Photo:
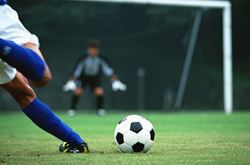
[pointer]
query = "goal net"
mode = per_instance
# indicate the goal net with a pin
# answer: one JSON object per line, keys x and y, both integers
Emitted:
{"x": 172, "y": 54}
{"x": 225, "y": 6}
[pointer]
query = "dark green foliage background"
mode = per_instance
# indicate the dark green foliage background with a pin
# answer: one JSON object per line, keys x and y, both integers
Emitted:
{"x": 133, "y": 36}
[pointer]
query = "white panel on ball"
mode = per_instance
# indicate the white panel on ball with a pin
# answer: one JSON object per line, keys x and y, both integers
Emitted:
{"x": 143, "y": 136}
{"x": 130, "y": 138}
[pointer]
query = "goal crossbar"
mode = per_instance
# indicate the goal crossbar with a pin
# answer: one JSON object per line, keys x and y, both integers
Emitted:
{"x": 227, "y": 35}
{"x": 193, "y": 3}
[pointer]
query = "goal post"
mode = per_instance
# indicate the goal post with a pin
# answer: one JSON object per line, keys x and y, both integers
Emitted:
{"x": 227, "y": 35}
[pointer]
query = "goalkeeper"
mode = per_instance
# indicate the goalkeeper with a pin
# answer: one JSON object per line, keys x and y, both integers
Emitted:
{"x": 88, "y": 72}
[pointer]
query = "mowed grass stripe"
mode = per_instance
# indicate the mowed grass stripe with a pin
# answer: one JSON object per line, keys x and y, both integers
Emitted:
{"x": 184, "y": 138}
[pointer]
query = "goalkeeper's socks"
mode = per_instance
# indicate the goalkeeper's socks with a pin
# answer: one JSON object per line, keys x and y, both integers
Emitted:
{"x": 74, "y": 101}
{"x": 25, "y": 60}
{"x": 99, "y": 102}
{"x": 43, "y": 117}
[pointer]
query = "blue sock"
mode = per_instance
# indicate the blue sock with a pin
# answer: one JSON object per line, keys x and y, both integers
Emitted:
{"x": 25, "y": 60}
{"x": 43, "y": 117}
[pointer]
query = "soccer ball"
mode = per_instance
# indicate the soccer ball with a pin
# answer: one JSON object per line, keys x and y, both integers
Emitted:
{"x": 134, "y": 134}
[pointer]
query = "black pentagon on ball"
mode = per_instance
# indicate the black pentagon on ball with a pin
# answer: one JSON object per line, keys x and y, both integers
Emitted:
{"x": 119, "y": 138}
{"x": 138, "y": 147}
{"x": 152, "y": 134}
{"x": 136, "y": 127}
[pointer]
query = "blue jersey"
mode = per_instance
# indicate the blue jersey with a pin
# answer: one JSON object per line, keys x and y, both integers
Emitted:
{"x": 2, "y": 2}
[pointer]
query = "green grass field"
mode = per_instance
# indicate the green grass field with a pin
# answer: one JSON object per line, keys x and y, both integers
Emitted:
{"x": 181, "y": 138}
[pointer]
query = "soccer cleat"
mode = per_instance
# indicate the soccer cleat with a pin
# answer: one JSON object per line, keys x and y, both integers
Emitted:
{"x": 71, "y": 112}
{"x": 80, "y": 148}
{"x": 101, "y": 112}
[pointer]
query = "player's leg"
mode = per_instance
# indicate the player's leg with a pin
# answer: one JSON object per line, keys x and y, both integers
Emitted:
{"x": 99, "y": 92}
{"x": 80, "y": 83}
{"x": 99, "y": 101}
{"x": 75, "y": 99}
{"x": 20, "y": 90}
{"x": 25, "y": 60}
{"x": 99, "y": 97}
{"x": 47, "y": 77}
{"x": 76, "y": 96}
{"x": 40, "y": 113}
{"x": 19, "y": 48}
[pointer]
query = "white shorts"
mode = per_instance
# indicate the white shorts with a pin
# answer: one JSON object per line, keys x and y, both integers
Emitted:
{"x": 13, "y": 30}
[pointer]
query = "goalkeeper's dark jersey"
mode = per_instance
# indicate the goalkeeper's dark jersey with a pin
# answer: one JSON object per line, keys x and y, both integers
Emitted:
{"x": 92, "y": 66}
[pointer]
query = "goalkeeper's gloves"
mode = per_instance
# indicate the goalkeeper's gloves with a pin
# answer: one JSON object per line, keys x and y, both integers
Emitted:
{"x": 69, "y": 86}
{"x": 118, "y": 85}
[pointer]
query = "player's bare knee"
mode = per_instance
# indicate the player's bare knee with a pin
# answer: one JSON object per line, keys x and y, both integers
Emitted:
{"x": 99, "y": 91}
{"x": 41, "y": 83}
{"x": 47, "y": 77}
{"x": 44, "y": 81}
{"x": 78, "y": 91}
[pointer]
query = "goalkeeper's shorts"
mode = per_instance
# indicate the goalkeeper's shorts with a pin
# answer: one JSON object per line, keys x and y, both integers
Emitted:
{"x": 12, "y": 29}
{"x": 94, "y": 81}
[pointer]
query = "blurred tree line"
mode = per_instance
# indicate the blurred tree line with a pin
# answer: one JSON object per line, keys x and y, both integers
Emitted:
{"x": 134, "y": 36}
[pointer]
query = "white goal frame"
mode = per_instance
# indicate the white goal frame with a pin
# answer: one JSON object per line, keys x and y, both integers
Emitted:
{"x": 227, "y": 35}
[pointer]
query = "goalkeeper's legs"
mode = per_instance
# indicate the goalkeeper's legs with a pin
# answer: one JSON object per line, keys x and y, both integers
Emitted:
{"x": 38, "y": 112}
{"x": 99, "y": 100}
{"x": 75, "y": 99}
